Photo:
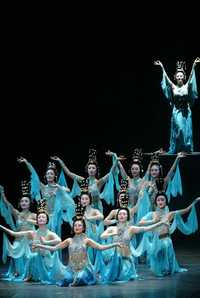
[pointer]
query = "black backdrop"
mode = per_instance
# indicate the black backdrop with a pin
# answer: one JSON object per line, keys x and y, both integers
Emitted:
{"x": 65, "y": 94}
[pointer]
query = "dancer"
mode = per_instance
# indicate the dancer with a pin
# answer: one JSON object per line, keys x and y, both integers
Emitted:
{"x": 161, "y": 253}
{"x": 60, "y": 205}
{"x": 181, "y": 96}
{"x": 39, "y": 262}
{"x": 95, "y": 185}
{"x": 24, "y": 220}
{"x": 121, "y": 266}
{"x": 79, "y": 271}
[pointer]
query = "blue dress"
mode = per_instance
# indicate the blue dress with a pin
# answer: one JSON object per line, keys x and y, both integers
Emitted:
{"x": 181, "y": 99}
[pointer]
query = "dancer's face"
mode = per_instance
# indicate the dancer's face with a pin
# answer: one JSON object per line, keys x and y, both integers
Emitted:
{"x": 161, "y": 201}
{"x": 92, "y": 170}
{"x": 85, "y": 200}
{"x": 155, "y": 171}
{"x": 179, "y": 77}
{"x": 25, "y": 203}
{"x": 50, "y": 176}
{"x": 78, "y": 227}
{"x": 122, "y": 216}
{"x": 135, "y": 170}
{"x": 42, "y": 219}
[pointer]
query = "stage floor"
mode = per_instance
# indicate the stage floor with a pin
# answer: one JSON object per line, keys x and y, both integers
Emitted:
{"x": 183, "y": 285}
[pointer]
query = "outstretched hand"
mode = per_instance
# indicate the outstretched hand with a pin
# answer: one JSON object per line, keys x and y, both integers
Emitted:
{"x": 55, "y": 158}
{"x": 109, "y": 153}
{"x": 197, "y": 200}
{"x": 21, "y": 159}
{"x": 158, "y": 62}
{"x": 181, "y": 154}
{"x": 197, "y": 60}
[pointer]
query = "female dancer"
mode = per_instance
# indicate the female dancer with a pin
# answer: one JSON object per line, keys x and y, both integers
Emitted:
{"x": 39, "y": 262}
{"x": 122, "y": 266}
{"x": 181, "y": 96}
{"x": 161, "y": 254}
{"x": 24, "y": 220}
{"x": 60, "y": 205}
{"x": 79, "y": 271}
{"x": 95, "y": 184}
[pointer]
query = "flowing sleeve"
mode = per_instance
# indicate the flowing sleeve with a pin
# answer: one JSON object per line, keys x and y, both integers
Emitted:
{"x": 6, "y": 214}
{"x": 15, "y": 250}
{"x": 188, "y": 227}
{"x": 116, "y": 174}
{"x": 35, "y": 185}
{"x": 174, "y": 186}
{"x": 144, "y": 206}
{"x": 76, "y": 191}
{"x": 61, "y": 180}
{"x": 108, "y": 192}
{"x": 64, "y": 209}
{"x": 166, "y": 89}
{"x": 192, "y": 88}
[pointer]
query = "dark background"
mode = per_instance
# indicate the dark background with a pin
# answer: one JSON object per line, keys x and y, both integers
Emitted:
{"x": 65, "y": 92}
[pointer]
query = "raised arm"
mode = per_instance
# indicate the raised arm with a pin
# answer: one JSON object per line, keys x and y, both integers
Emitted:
{"x": 183, "y": 211}
{"x": 14, "y": 211}
{"x": 54, "y": 239}
{"x": 171, "y": 172}
{"x": 111, "y": 218}
{"x": 98, "y": 246}
{"x": 61, "y": 245}
{"x": 30, "y": 168}
{"x": 97, "y": 215}
{"x": 110, "y": 231}
{"x": 159, "y": 63}
{"x": 66, "y": 170}
{"x": 145, "y": 222}
{"x": 136, "y": 230}
{"x": 28, "y": 234}
{"x": 197, "y": 60}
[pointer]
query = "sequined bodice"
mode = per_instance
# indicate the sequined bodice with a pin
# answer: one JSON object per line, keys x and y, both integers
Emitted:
{"x": 49, "y": 193}
{"x": 162, "y": 213}
{"x": 180, "y": 97}
{"x": 22, "y": 224}
{"x": 124, "y": 238}
{"x": 78, "y": 253}
{"x": 40, "y": 233}
{"x": 133, "y": 190}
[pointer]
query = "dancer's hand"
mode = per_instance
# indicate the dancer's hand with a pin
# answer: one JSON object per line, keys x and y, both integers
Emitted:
{"x": 181, "y": 154}
{"x": 197, "y": 60}
{"x": 55, "y": 158}
{"x": 21, "y": 159}
{"x": 109, "y": 153}
{"x": 158, "y": 62}
{"x": 197, "y": 200}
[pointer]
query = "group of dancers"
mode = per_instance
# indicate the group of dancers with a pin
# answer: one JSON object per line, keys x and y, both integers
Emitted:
{"x": 100, "y": 249}
{"x": 103, "y": 248}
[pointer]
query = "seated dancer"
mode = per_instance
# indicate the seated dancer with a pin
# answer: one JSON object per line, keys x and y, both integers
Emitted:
{"x": 93, "y": 218}
{"x": 121, "y": 266}
{"x": 23, "y": 220}
{"x": 79, "y": 271}
{"x": 60, "y": 205}
{"x": 39, "y": 262}
{"x": 102, "y": 188}
{"x": 161, "y": 254}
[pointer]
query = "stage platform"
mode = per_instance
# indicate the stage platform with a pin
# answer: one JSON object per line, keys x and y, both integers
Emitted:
{"x": 181, "y": 285}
